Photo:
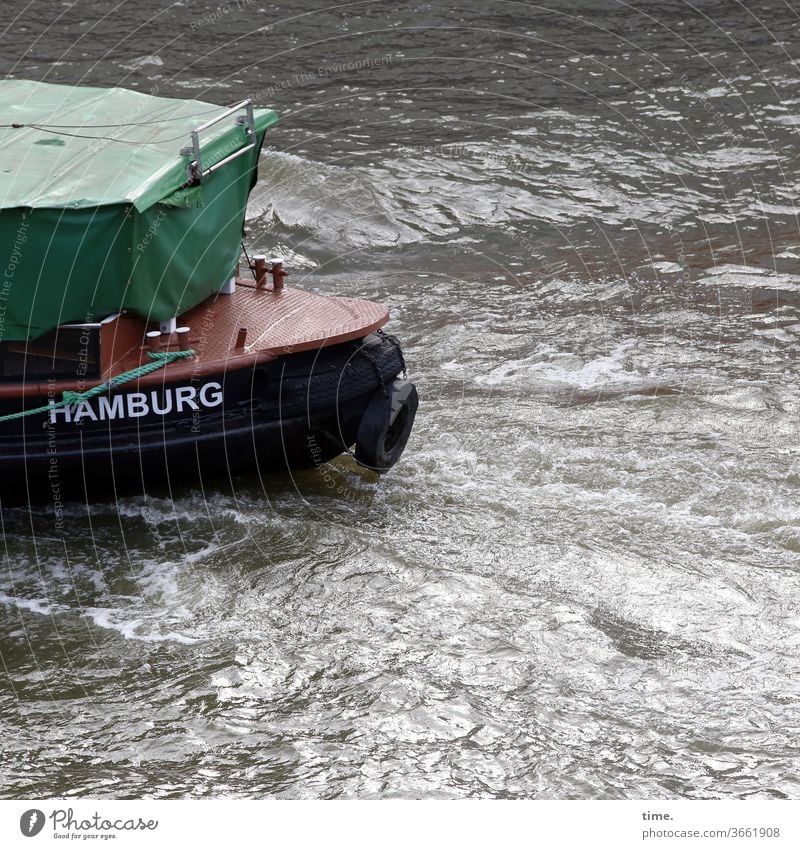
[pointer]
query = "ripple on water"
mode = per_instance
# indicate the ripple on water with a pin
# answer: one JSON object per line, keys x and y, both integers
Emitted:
{"x": 581, "y": 579}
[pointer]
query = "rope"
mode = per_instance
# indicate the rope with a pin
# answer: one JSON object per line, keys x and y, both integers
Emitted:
{"x": 43, "y": 129}
{"x": 393, "y": 340}
{"x": 68, "y": 398}
{"x": 107, "y": 126}
{"x": 376, "y": 366}
{"x": 249, "y": 263}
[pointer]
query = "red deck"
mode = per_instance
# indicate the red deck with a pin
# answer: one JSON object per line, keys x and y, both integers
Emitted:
{"x": 287, "y": 320}
{"x": 277, "y": 323}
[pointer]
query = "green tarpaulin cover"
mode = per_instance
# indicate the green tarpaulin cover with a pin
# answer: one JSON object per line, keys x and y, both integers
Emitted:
{"x": 95, "y": 212}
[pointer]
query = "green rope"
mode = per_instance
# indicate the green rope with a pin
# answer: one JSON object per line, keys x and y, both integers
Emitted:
{"x": 68, "y": 398}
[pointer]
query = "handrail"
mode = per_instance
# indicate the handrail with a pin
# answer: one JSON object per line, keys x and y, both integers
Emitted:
{"x": 211, "y": 169}
{"x": 219, "y": 118}
{"x": 194, "y": 169}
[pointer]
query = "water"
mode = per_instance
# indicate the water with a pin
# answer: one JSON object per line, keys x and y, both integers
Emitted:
{"x": 582, "y": 578}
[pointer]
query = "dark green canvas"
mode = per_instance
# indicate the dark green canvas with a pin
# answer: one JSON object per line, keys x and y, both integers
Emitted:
{"x": 94, "y": 214}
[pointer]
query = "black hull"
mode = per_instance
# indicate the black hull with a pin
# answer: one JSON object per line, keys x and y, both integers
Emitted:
{"x": 296, "y": 412}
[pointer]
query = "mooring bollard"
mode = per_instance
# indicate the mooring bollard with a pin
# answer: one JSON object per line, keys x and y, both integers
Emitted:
{"x": 260, "y": 263}
{"x": 183, "y": 338}
{"x": 153, "y": 340}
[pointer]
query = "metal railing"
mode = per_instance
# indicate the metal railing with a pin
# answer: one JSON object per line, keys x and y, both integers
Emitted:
{"x": 194, "y": 170}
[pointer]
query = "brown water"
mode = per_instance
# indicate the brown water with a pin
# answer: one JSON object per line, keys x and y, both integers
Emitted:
{"x": 582, "y": 579}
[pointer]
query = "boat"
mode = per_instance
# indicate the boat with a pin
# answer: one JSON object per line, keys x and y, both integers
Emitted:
{"x": 139, "y": 340}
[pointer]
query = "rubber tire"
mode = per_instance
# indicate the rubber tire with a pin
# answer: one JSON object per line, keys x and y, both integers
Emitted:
{"x": 386, "y": 425}
{"x": 317, "y": 381}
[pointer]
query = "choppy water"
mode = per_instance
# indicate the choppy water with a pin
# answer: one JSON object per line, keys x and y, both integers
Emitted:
{"x": 582, "y": 579}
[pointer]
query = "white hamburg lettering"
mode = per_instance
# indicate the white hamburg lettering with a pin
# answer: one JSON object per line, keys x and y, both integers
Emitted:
{"x": 137, "y": 404}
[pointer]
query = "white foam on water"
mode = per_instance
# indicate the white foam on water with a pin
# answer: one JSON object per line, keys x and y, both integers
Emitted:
{"x": 142, "y": 61}
{"x": 338, "y": 205}
{"x": 562, "y": 370}
{"x": 749, "y": 277}
{"x": 33, "y": 605}
{"x": 131, "y": 629}
{"x": 668, "y": 267}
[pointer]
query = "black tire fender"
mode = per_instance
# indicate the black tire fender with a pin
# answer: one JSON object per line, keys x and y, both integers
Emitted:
{"x": 386, "y": 425}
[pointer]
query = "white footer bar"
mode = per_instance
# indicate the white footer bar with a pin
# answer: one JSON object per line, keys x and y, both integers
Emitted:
{"x": 230, "y": 823}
